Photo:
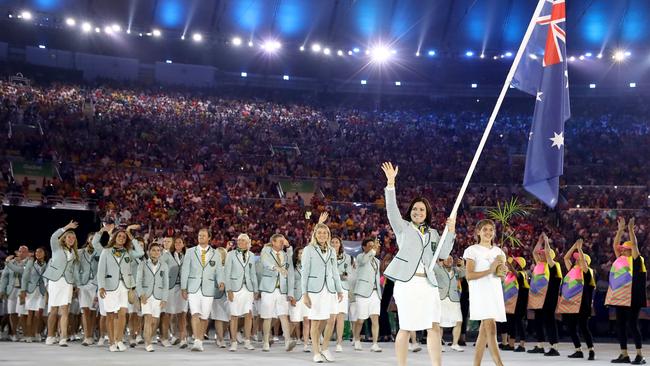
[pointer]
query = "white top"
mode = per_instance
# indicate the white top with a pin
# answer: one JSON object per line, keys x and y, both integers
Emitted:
{"x": 485, "y": 293}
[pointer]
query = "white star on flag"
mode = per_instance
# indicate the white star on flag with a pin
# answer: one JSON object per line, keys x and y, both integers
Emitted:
{"x": 539, "y": 96}
{"x": 558, "y": 140}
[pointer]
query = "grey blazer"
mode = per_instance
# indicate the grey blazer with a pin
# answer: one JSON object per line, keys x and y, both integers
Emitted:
{"x": 174, "y": 262}
{"x": 240, "y": 272}
{"x": 367, "y": 275}
{"x": 195, "y": 276}
{"x": 59, "y": 265}
{"x": 413, "y": 246}
{"x": 297, "y": 283}
{"x": 11, "y": 276}
{"x": 112, "y": 269}
{"x": 448, "y": 284}
{"x": 33, "y": 277}
{"x": 344, "y": 266}
{"x": 88, "y": 267}
{"x": 270, "y": 277}
{"x": 319, "y": 270}
{"x": 4, "y": 281}
{"x": 149, "y": 282}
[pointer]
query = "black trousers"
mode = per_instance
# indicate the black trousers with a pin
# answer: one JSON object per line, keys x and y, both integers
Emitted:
{"x": 572, "y": 322}
{"x": 545, "y": 323}
{"x": 384, "y": 321}
{"x": 628, "y": 318}
{"x": 516, "y": 326}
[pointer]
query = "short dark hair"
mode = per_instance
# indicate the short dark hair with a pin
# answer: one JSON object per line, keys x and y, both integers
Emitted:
{"x": 365, "y": 242}
{"x": 427, "y": 207}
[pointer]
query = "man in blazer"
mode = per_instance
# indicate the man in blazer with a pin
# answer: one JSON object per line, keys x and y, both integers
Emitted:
{"x": 276, "y": 288}
{"x": 367, "y": 292}
{"x": 241, "y": 288}
{"x": 201, "y": 275}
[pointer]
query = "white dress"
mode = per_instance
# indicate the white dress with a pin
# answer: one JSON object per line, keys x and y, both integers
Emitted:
{"x": 485, "y": 293}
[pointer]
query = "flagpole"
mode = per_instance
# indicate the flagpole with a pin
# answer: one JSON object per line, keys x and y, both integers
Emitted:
{"x": 488, "y": 128}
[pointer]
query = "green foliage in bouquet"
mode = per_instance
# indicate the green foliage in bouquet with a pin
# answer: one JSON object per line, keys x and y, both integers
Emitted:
{"x": 504, "y": 215}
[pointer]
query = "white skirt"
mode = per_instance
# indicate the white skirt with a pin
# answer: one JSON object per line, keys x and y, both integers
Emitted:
{"x": 87, "y": 295}
{"x": 116, "y": 300}
{"x": 220, "y": 309}
{"x": 242, "y": 302}
{"x": 299, "y": 312}
{"x": 35, "y": 301}
{"x": 418, "y": 304}
{"x": 323, "y": 305}
{"x": 486, "y": 299}
{"x": 450, "y": 313}
{"x": 344, "y": 305}
{"x": 59, "y": 292}
{"x": 175, "y": 302}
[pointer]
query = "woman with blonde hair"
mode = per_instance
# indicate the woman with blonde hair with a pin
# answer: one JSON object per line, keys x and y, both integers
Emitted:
{"x": 321, "y": 289}
{"x": 62, "y": 273}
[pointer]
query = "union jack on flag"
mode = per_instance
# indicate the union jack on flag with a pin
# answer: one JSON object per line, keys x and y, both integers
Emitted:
{"x": 542, "y": 72}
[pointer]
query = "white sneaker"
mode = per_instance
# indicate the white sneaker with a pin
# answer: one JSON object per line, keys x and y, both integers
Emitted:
{"x": 49, "y": 341}
{"x": 100, "y": 341}
{"x": 63, "y": 342}
{"x": 149, "y": 348}
{"x": 139, "y": 339}
{"x": 443, "y": 349}
{"x": 27, "y": 339}
{"x": 221, "y": 344}
{"x": 339, "y": 348}
{"x": 290, "y": 345}
{"x": 248, "y": 345}
{"x": 197, "y": 346}
{"x": 457, "y": 348}
{"x": 165, "y": 343}
{"x": 265, "y": 347}
{"x": 327, "y": 355}
{"x": 375, "y": 348}
{"x": 357, "y": 346}
{"x": 415, "y": 347}
{"x": 13, "y": 338}
{"x": 318, "y": 358}
{"x": 112, "y": 348}
{"x": 175, "y": 341}
{"x": 233, "y": 346}
{"x": 121, "y": 347}
{"x": 183, "y": 344}
{"x": 240, "y": 338}
{"x": 306, "y": 348}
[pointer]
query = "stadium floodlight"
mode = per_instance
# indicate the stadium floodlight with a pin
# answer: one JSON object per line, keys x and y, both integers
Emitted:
{"x": 339, "y": 52}
{"x": 398, "y": 83}
{"x": 41, "y": 46}
{"x": 116, "y": 28}
{"x": 168, "y": 61}
{"x": 271, "y": 46}
{"x": 302, "y": 48}
{"x": 26, "y": 15}
{"x": 380, "y": 54}
{"x": 356, "y": 49}
{"x": 632, "y": 85}
{"x": 156, "y": 32}
{"x": 592, "y": 86}
{"x": 70, "y": 22}
{"x": 326, "y": 51}
{"x": 508, "y": 54}
{"x": 236, "y": 41}
{"x": 431, "y": 53}
{"x": 469, "y": 53}
{"x": 86, "y": 27}
{"x": 364, "y": 82}
{"x": 244, "y": 74}
{"x": 474, "y": 86}
{"x": 285, "y": 77}
{"x": 97, "y": 30}
{"x": 197, "y": 37}
{"x": 108, "y": 30}
{"x": 316, "y": 47}
{"x": 619, "y": 56}
{"x": 588, "y": 54}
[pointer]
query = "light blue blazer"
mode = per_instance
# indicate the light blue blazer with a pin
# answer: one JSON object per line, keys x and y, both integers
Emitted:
{"x": 344, "y": 266}
{"x": 367, "y": 275}
{"x": 319, "y": 271}
{"x": 33, "y": 277}
{"x": 150, "y": 282}
{"x": 59, "y": 265}
{"x": 88, "y": 264}
{"x": 297, "y": 283}
{"x": 195, "y": 276}
{"x": 11, "y": 275}
{"x": 448, "y": 284}
{"x": 174, "y": 262}
{"x": 240, "y": 272}
{"x": 112, "y": 269}
{"x": 270, "y": 277}
{"x": 413, "y": 246}
{"x": 4, "y": 281}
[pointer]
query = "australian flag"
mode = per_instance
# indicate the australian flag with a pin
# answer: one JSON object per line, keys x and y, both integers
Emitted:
{"x": 542, "y": 72}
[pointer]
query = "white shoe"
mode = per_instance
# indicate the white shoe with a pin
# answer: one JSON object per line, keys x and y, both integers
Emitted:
{"x": 306, "y": 348}
{"x": 357, "y": 346}
{"x": 84, "y": 342}
{"x": 63, "y": 342}
{"x": 149, "y": 348}
{"x": 221, "y": 344}
{"x": 240, "y": 338}
{"x": 197, "y": 346}
{"x": 265, "y": 347}
{"x": 100, "y": 342}
{"x": 139, "y": 339}
{"x": 375, "y": 348}
{"x": 415, "y": 347}
{"x": 165, "y": 343}
{"x": 457, "y": 348}
{"x": 112, "y": 348}
{"x": 49, "y": 341}
{"x": 175, "y": 341}
{"x": 318, "y": 358}
{"x": 28, "y": 339}
{"x": 13, "y": 338}
{"x": 339, "y": 348}
{"x": 183, "y": 344}
{"x": 233, "y": 346}
{"x": 290, "y": 345}
{"x": 248, "y": 345}
{"x": 443, "y": 349}
{"x": 327, "y": 355}
{"x": 121, "y": 347}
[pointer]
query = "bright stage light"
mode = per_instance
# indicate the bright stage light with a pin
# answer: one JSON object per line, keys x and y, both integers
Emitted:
{"x": 469, "y": 53}
{"x": 417, "y": 54}
{"x": 70, "y": 22}
{"x": 592, "y": 86}
{"x": 97, "y": 30}
{"x": 116, "y": 28}
{"x": 600, "y": 55}
{"x": 582, "y": 57}
{"x": 244, "y": 74}
{"x": 108, "y": 30}
{"x": 236, "y": 41}
{"x": 315, "y": 47}
{"x": 588, "y": 54}
{"x": 364, "y": 82}
{"x": 431, "y": 53}
{"x": 474, "y": 86}
{"x": 285, "y": 77}
{"x": 197, "y": 37}
{"x": 271, "y": 46}
{"x": 339, "y": 52}
{"x": 86, "y": 27}
{"x": 482, "y": 56}
{"x": 356, "y": 49}
{"x": 572, "y": 58}
{"x": 26, "y": 15}
{"x": 508, "y": 54}
{"x": 326, "y": 51}
{"x": 619, "y": 56}
{"x": 398, "y": 83}
{"x": 41, "y": 46}
{"x": 302, "y": 48}
{"x": 168, "y": 61}
{"x": 156, "y": 32}
{"x": 380, "y": 54}
{"x": 349, "y": 53}
{"x": 250, "y": 43}
{"x": 632, "y": 85}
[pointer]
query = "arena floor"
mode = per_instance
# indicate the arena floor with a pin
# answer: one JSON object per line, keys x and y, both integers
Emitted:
{"x": 12, "y": 354}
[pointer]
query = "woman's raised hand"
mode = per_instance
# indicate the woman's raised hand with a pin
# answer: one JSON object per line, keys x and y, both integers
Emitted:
{"x": 71, "y": 225}
{"x": 391, "y": 173}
